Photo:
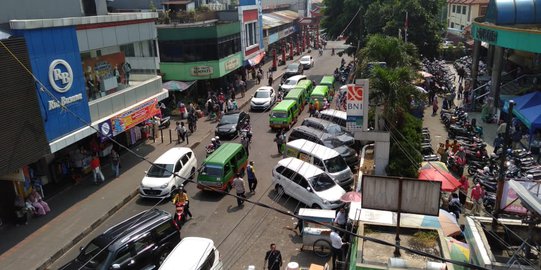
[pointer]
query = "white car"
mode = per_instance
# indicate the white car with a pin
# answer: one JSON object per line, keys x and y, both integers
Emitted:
{"x": 159, "y": 180}
{"x": 292, "y": 82}
{"x": 306, "y": 183}
{"x": 307, "y": 61}
{"x": 263, "y": 98}
{"x": 193, "y": 253}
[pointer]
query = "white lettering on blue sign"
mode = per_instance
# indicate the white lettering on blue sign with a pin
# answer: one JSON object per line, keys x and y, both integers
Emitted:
{"x": 64, "y": 101}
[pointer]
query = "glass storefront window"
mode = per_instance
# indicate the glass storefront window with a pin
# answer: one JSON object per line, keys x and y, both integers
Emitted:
{"x": 112, "y": 69}
{"x": 199, "y": 50}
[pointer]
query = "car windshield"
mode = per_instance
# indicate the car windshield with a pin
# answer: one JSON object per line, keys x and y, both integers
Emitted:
{"x": 160, "y": 170}
{"x": 262, "y": 94}
{"x": 212, "y": 170}
{"x": 334, "y": 129}
{"x": 335, "y": 164}
{"x": 321, "y": 182}
{"x": 229, "y": 119}
{"x": 291, "y": 82}
{"x": 94, "y": 254}
{"x": 279, "y": 114}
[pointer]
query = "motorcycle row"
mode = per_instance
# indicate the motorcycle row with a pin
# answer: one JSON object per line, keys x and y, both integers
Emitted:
{"x": 342, "y": 74}
{"x": 468, "y": 148}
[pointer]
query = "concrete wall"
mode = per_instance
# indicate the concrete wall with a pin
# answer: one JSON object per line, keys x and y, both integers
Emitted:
{"x": 40, "y": 9}
{"x": 97, "y": 38}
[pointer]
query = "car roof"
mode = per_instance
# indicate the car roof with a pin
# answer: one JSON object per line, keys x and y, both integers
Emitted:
{"x": 172, "y": 154}
{"x": 301, "y": 167}
{"x": 306, "y": 57}
{"x": 318, "y": 150}
{"x": 296, "y": 77}
{"x": 312, "y": 131}
{"x": 223, "y": 152}
{"x": 133, "y": 227}
{"x": 264, "y": 88}
{"x": 190, "y": 253}
{"x": 333, "y": 112}
{"x": 323, "y": 122}
{"x": 283, "y": 105}
{"x": 293, "y": 65}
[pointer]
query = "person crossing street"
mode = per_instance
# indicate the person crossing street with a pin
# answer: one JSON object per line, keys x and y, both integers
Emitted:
{"x": 238, "y": 184}
{"x": 252, "y": 179}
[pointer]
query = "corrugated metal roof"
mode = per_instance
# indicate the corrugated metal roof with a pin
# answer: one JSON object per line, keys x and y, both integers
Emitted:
{"x": 271, "y": 22}
{"x": 287, "y": 14}
{"x": 469, "y": 2}
{"x": 277, "y": 18}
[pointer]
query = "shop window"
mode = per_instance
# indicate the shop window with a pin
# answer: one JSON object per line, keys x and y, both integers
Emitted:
{"x": 198, "y": 50}
{"x": 251, "y": 33}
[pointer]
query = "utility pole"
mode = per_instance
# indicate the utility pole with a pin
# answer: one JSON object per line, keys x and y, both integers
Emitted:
{"x": 406, "y": 28}
{"x": 503, "y": 157}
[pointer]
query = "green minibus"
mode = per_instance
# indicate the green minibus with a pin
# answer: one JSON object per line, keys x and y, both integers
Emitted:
{"x": 219, "y": 169}
{"x": 284, "y": 115}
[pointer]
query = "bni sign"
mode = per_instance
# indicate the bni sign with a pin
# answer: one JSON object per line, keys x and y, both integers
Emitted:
{"x": 357, "y": 100}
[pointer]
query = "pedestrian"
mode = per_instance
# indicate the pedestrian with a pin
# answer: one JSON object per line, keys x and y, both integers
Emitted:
{"x": 336, "y": 246}
{"x": 317, "y": 106}
{"x": 517, "y": 137}
{"x": 477, "y": 195}
{"x": 311, "y": 109}
{"x": 460, "y": 91}
{"x": 341, "y": 218}
{"x": 238, "y": 184}
{"x": 115, "y": 162}
{"x": 242, "y": 88}
{"x": 273, "y": 258}
{"x": 259, "y": 77}
{"x": 435, "y": 106}
{"x": 271, "y": 80}
{"x": 252, "y": 179}
{"x": 498, "y": 143}
{"x": 279, "y": 139}
{"x": 463, "y": 189}
{"x": 96, "y": 170}
{"x": 454, "y": 205}
{"x": 179, "y": 133}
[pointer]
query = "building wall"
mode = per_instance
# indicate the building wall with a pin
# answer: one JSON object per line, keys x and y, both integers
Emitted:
{"x": 194, "y": 32}
{"x": 92, "y": 38}
{"x": 201, "y": 70}
{"x": 461, "y": 20}
{"x": 40, "y": 9}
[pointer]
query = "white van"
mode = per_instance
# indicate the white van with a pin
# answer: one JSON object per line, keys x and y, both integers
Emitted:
{"x": 193, "y": 253}
{"x": 327, "y": 159}
{"x": 159, "y": 180}
{"x": 335, "y": 116}
{"x": 291, "y": 82}
{"x": 307, "y": 184}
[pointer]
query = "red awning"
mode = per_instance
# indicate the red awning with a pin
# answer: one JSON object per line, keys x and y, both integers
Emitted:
{"x": 256, "y": 59}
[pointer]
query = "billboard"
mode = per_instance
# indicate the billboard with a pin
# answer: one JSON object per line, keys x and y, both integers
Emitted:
{"x": 417, "y": 196}
{"x": 56, "y": 63}
{"x": 357, "y": 105}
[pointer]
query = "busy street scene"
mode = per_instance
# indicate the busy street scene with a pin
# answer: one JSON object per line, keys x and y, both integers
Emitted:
{"x": 270, "y": 134}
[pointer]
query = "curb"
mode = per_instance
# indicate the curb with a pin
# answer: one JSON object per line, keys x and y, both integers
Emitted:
{"x": 124, "y": 201}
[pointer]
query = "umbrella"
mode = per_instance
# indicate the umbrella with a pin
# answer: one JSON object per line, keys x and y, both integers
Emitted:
{"x": 445, "y": 221}
{"x": 438, "y": 171}
{"x": 351, "y": 196}
{"x": 177, "y": 85}
{"x": 425, "y": 74}
{"x": 459, "y": 251}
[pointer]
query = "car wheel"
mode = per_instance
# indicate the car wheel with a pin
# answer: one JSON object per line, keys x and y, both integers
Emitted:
{"x": 279, "y": 189}
{"x": 163, "y": 255}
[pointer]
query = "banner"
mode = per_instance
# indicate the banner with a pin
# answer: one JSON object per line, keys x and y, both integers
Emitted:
{"x": 131, "y": 118}
{"x": 357, "y": 100}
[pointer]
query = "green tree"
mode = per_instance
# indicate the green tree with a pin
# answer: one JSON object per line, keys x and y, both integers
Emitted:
{"x": 391, "y": 50}
{"x": 405, "y": 157}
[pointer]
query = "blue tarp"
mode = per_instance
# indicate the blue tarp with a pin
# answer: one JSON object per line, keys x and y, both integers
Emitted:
{"x": 531, "y": 116}
{"x": 525, "y": 101}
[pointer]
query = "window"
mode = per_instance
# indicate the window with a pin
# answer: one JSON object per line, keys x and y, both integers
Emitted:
{"x": 185, "y": 159}
{"x": 251, "y": 33}
{"x": 163, "y": 230}
{"x": 482, "y": 11}
{"x": 143, "y": 243}
{"x": 288, "y": 173}
{"x": 209, "y": 262}
{"x": 300, "y": 180}
{"x": 319, "y": 163}
{"x": 454, "y": 8}
{"x": 178, "y": 166}
{"x": 128, "y": 49}
{"x": 199, "y": 50}
{"x": 452, "y": 25}
{"x": 122, "y": 255}
{"x": 464, "y": 9}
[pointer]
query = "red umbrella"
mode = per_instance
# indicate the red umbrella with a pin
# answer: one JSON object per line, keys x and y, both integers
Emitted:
{"x": 351, "y": 196}
{"x": 448, "y": 181}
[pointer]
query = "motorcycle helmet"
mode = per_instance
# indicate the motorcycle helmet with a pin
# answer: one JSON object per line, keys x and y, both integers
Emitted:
{"x": 212, "y": 140}
{"x": 217, "y": 138}
{"x": 529, "y": 176}
{"x": 486, "y": 169}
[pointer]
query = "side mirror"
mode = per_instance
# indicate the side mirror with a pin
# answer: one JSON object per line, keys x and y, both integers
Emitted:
{"x": 309, "y": 189}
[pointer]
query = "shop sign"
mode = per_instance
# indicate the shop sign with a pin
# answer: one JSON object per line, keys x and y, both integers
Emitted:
{"x": 130, "y": 118}
{"x": 288, "y": 31}
{"x": 105, "y": 129}
{"x": 61, "y": 80}
{"x": 232, "y": 64}
{"x": 487, "y": 35}
{"x": 357, "y": 100}
{"x": 202, "y": 71}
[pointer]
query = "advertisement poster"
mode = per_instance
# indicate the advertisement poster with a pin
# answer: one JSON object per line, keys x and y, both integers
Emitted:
{"x": 357, "y": 100}
{"x": 102, "y": 68}
{"x": 130, "y": 118}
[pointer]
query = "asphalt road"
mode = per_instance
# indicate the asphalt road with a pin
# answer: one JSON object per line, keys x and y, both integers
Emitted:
{"x": 242, "y": 235}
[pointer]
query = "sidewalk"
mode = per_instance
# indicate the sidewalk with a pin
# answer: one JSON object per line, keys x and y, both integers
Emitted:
{"x": 79, "y": 209}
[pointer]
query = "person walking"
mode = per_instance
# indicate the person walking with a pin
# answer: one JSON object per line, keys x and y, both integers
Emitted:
{"x": 477, "y": 195}
{"x": 252, "y": 179}
{"x": 341, "y": 218}
{"x": 435, "y": 106}
{"x": 336, "y": 246}
{"x": 96, "y": 170}
{"x": 259, "y": 76}
{"x": 115, "y": 162}
{"x": 454, "y": 206}
{"x": 273, "y": 258}
{"x": 279, "y": 139}
{"x": 271, "y": 79}
{"x": 238, "y": 184}
{"x": 182, "y": 132}
{"x": 463, "y": 189}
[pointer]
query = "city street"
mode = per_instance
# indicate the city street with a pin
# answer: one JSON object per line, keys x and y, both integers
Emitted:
{"x": 242, "y": 235}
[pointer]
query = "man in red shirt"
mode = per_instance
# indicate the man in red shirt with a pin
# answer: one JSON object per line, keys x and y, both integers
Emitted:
{"x": 96, "y": 170}
{"x": 477, "y": 195}
{"x": 464, "y": 188}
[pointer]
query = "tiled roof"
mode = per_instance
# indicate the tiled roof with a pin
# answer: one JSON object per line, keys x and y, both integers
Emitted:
{"x": 468, "y": 2}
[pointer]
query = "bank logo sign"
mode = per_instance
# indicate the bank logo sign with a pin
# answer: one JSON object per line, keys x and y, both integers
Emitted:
{"x": 61, "y": 80}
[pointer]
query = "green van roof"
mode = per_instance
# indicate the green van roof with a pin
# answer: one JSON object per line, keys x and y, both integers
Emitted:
{"x": 222, "y": 153}
{"x": 294, "y": 92}
{"x": 327, "y": 80}
{"x": 304, "y": 83}
{"x": 284, "y": 105}
{"x": 319, "y": 89}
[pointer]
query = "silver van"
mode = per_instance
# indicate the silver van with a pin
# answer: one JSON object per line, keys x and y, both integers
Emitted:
{"x": 325, "y": 158}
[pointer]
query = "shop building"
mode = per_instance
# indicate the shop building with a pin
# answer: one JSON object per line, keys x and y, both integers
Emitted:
{"x": 278, "y": 25}
{"x": 104, "y": 70}
{"x": 205, "y": 50}
{"x": 461, "y": 13}
{"x": 251, "y": 18}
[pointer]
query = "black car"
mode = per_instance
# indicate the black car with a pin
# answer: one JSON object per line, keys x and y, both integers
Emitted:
{"x": 320, "y": 137}
{"x": 140, "y": 242}
{"x": 231, "y": 124}
{"x": 293, "y": 69}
